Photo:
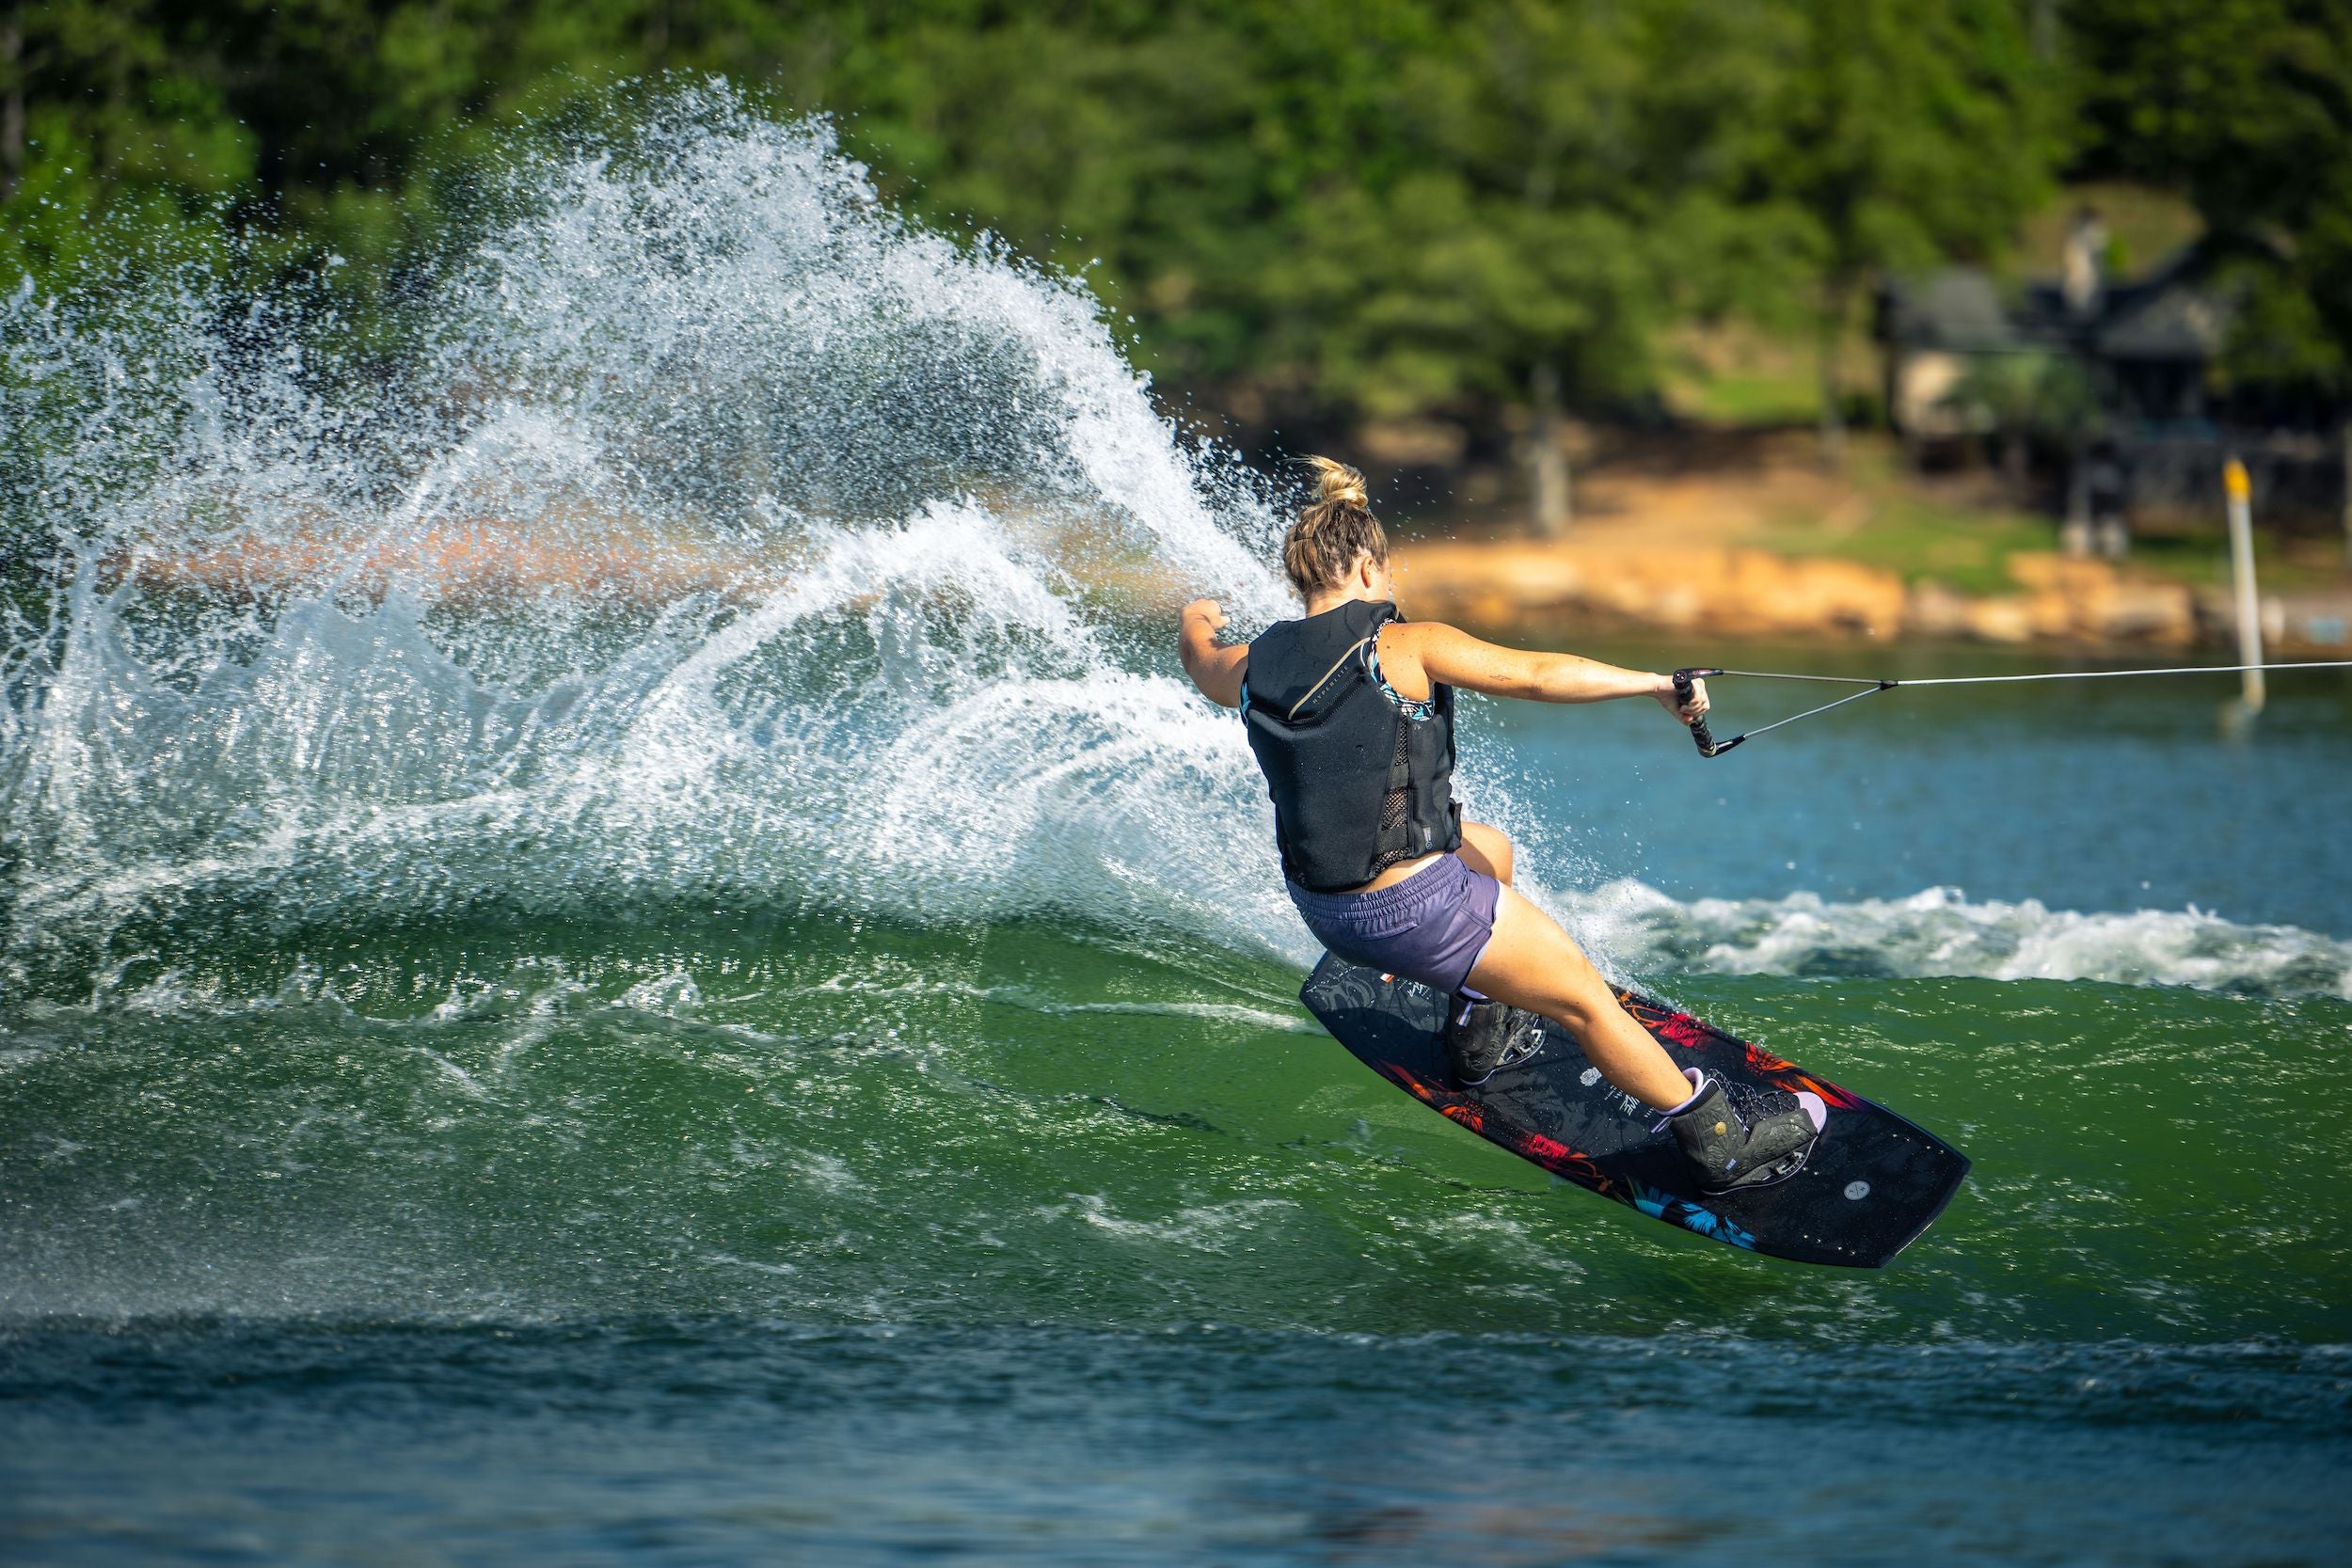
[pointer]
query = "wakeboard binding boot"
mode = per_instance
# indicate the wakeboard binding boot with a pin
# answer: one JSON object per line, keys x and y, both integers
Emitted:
{"x": 1483, "y": 1037}
{"x": 1741, "y": 1137}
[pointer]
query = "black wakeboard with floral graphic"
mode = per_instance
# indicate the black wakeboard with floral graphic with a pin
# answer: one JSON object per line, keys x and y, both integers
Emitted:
{"x": 1871, "y": 1184}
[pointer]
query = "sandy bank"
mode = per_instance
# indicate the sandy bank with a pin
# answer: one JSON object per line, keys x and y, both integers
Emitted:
{"x": 1525, "y": 588}
{"x": 1541, "y": 587}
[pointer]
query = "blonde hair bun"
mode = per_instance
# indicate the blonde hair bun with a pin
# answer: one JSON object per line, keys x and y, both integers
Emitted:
{"x": 1337, "y": 482}
{"x": 1332, "y": 530}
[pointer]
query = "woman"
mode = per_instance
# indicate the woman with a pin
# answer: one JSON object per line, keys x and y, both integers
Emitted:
{"x": 1350, "y": 712}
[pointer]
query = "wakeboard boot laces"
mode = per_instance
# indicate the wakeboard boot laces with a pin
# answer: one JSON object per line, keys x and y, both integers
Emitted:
{"x": 1763, "y": 1136}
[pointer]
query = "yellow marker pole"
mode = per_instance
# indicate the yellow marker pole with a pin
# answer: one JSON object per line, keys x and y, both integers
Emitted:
{"x": 2250, "y": 627}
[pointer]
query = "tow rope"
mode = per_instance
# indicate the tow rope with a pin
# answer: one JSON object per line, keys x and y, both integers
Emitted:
{"x": 1710, "y": 747}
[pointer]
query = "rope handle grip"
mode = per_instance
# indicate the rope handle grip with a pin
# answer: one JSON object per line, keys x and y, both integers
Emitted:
{"x": 1699, "y": 735}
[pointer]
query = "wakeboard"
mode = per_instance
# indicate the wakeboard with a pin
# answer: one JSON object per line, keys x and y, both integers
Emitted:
{"x": 1871, "y": 1184}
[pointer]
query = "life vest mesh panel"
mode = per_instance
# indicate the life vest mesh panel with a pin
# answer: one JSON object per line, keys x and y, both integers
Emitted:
{"x": 1394, "y": 804}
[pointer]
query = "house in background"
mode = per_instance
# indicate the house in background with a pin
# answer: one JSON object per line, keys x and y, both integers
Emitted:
{"x": 1935, "y": 330}
{"x": 2108, "y": 387}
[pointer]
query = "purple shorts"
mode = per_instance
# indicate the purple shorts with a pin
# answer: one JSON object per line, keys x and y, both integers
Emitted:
{"x": 1430, "y": 927}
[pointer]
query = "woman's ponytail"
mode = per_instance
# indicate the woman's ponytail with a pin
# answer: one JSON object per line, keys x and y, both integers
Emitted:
{"x": 1332, "y": 530}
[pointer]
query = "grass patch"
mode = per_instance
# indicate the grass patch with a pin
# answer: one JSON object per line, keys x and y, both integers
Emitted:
{"x": 1921, "y": 531}
{"x": 1755, "y": 399}
{"x": 1892, "y": 522}
{"x": 2202, "y": 559}
{"x": 1735, "y": 374}
{"x": 2145, "y": 226}
{"x": 1917, "y": 538}
{"x": 1920, "y": 536}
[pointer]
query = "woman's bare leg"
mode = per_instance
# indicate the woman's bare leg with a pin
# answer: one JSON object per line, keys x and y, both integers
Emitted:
{"x": 1486, "y": 849}
{"x": 1531, "y": 962}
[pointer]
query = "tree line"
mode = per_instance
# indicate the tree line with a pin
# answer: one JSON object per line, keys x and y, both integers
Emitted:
{"x": 1314, "y": 210}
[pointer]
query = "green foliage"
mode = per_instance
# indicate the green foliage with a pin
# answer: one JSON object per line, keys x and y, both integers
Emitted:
{"x": 1313, "y": 210}
{"x": 1908, "y": 133}
{"x": 2247, "y": 105}
{"x": 2027, "y": 395}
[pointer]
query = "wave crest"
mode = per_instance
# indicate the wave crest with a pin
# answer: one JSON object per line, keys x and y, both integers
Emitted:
{"x": 1939, "y": 932}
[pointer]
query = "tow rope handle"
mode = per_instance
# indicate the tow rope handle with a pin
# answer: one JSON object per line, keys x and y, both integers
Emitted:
{"x": 1872, "y": 685}
{"x": 1699, "y": 735}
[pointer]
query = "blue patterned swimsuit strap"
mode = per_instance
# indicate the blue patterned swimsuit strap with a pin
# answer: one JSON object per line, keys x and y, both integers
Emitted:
{"x": 1418, "y": 711}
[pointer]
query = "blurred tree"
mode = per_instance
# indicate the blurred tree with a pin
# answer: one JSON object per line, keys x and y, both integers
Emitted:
{"x": 1314, "y": 213}
{"x": 2248, "y": 104}
{"x": 1910, "y": 131}
{"x": 11, "y": 99}
{"x": 1571, "y": 183}
{"x": 107, "y": 136}
{"x": 1520, "y": 269}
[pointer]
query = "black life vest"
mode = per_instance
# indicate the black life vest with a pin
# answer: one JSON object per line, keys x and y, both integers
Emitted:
{"x": 1359, "y": 783}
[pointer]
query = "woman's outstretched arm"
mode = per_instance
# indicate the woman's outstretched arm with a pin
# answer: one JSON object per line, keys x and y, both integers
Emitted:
{"x": 1218, "y": 672}
{"x": 1453, "y": 656}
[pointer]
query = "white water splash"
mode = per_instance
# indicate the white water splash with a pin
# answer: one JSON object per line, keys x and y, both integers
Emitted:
{"x": 711, "y": 534}
{"x": 1938, "y": 932}
{"x": 717, "y": 533}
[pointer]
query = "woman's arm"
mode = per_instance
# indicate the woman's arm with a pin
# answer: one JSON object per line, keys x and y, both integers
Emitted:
{"x": 1442, "y": 653}
{"x": 1218, "y": 672}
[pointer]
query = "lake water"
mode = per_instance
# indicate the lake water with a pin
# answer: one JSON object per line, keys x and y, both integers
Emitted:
{"x": 815, "y": 1073}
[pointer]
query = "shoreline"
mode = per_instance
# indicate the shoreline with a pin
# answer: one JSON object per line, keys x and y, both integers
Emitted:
{"x": 1607, "y": 582}
{"x": 1742, "y": 591}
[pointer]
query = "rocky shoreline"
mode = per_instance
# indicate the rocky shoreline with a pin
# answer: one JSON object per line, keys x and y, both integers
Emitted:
{"x": 1535, "y": 586}
{"x": 1524, "y": 587}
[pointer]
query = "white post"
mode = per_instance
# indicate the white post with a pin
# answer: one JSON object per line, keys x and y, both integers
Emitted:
{"x": 2249, "y": 626}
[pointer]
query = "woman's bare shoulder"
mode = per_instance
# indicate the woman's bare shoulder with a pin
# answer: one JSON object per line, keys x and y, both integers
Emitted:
{"x": 1426, "y": 638}
{"x": 1452, "y": 656}
{"x": 1416, "y": 634}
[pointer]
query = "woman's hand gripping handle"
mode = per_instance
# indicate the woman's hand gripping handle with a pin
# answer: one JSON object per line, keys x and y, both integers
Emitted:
{"x": 1688, "y": 690}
